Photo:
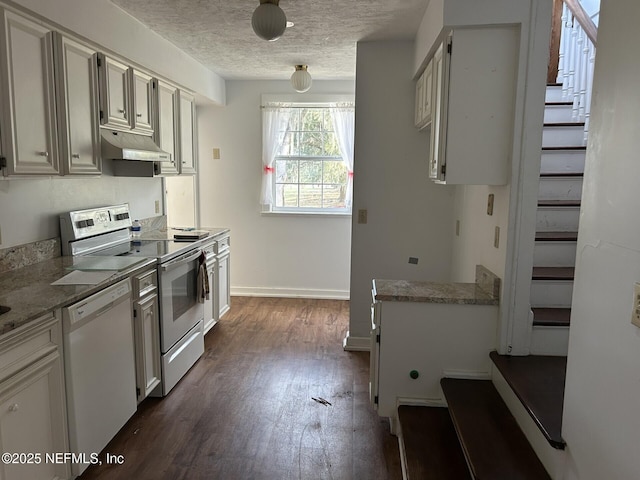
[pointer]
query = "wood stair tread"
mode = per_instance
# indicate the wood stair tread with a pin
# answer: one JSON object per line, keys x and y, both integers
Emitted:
{"x": 553, "y": 273}
{"x": 561, "y": 174}
{"x": 431, "y": 447}
{"x": 554, "y": 84}
{"x": 495, "y": 447}
{"x": 551, "y": 317}
{"x": 556, "y": 236}
{"x": 559, "y": 104}
{"x": 558, "y": 203}
{"x": 563, "y": 124}
{"x": 568, "y": 147}
{"x": 538, "y": 381}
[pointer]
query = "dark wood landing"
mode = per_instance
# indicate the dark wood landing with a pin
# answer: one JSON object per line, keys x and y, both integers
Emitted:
{"x": 494, "y": 445}
{"x": 558, "y": 203}
{"x": 556, "y": 236}
{"x": 538, "y": 381}
{"x": 576, "y": 148}
{"x": 551, "y": 317}
{"x": 553, "y": 273}
{"x": 432, "y": 450}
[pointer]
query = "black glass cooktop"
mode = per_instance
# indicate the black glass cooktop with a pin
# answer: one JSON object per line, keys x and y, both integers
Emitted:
{"x": 160, "y": 249}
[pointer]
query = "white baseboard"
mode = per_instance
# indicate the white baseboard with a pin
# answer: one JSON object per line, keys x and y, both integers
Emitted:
{"x": 356, "y": 344}
{"x": 289, "y": 293}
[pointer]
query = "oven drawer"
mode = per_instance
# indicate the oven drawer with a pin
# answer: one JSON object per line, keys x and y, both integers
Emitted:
{"x": 177, "y": 361}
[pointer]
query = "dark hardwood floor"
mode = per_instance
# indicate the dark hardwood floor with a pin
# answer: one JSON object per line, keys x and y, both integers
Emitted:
{"x": 246, "y": 410}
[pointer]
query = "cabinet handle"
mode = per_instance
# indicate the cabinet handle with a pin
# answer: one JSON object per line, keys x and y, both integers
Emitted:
{"x": 123, "y": 112}
{"x": 138, "y": 115}
{"x": 14, "y": 408}
{"x": 43, "y": 154}
{"x": 75, "y": 155}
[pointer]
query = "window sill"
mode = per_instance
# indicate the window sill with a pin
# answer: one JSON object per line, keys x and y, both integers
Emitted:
{"x": 307, "y": 214}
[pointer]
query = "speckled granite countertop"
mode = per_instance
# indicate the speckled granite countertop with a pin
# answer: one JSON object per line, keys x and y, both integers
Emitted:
{"x": 485, "y": 291}
{"x": 29, "y": 293}
{"x": 168, "y": 233}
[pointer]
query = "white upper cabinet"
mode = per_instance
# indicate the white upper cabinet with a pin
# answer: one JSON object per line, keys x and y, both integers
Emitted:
{"x": 114, "y": 93}
{"x": 142, "y": 101}
{"x": 424, "y": 97}
{"x": 473, "y": 101}
{"x": 166, "y": 129}
{"x": 187, "y": 133}
{"x": 27, "y": 96}
{"x": 126, "y": 97}
{"x": 77, "y": 90}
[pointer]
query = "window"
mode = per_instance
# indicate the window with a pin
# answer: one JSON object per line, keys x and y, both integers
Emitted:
{"x": 308, "y": 172}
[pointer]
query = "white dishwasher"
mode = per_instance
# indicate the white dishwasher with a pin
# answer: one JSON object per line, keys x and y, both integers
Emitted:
{"x": 99, "y": 369}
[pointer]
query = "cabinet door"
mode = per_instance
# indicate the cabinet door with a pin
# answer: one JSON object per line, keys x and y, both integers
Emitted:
{"x": 224, "y": 296}
{"x": 374, "y": 355}
{"x": 77, "y": 81}
{"x": 440, "y": 88}
{"x": 142, "y": 101}
{"x": 419, "y": 101}
{"x": 166, "y": 129}
{"x": 29, "y": 130}
{"x": 31, "y": 409}
{"x": 147, "y": 340}
{"x": 427, "y": 88}
{"x": 187, "y": 133}
{"x": 114, "y": 94}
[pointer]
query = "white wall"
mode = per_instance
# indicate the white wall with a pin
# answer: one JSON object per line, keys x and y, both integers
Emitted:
{"x": 287, "y": 255}
{"x": 408, "y": 215}
{"x": 29, "y": 208}
{"x": 475, "y": 243}
{"x": 601, "y": 422}
{"x": 110, "y": 27}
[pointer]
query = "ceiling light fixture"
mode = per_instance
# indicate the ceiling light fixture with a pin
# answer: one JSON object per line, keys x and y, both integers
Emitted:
{"x": 300, "y": 79}
{"x": 269, "y": 21}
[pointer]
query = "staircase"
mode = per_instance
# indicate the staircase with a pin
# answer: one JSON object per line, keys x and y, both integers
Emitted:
{"x": 561, "y": 173}
{"x": 508, "y": 427}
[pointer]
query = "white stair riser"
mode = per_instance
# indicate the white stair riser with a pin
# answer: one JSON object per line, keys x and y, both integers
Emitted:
{"x": 561, "y": 161}
{"x": 560, "y": 188}
{"x": 554, "y": 254}
{"x": 554, "y": 94}
{"x": 551, "y": 293}
{"x": 550, "y": 341}
{"x": 563, "y": 136}
{"x": 557, "y": 219}
{"x": 558, "y": 113}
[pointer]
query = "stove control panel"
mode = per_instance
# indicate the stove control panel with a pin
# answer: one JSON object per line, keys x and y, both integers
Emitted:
{"x": 81, "y": 224}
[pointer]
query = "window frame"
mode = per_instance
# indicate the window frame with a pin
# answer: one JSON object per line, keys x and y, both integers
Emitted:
{"x": 311, "y": 101}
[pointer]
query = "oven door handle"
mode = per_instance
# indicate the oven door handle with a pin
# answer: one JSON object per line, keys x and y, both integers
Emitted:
{"x": 185, "y": 258}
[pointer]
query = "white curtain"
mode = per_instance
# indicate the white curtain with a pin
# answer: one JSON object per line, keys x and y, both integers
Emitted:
{"x": 275, "y": 119}
{"x": 344, "y": 127}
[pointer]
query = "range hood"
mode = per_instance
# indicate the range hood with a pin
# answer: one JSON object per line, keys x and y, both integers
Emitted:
{"x": 130, "y": 146}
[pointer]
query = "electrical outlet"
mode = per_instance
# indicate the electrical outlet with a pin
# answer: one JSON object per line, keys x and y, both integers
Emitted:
{"x": 490, "y": 204}
{"x": 413, "y": 260}
{"x": 157, "y": 206}
{"x": 457, "y": 228}
{"x": 635, "y": 313}
{"x": 216, "y": 154}
{"x": 362, "y": 216}
{"x": 496, "y": 238}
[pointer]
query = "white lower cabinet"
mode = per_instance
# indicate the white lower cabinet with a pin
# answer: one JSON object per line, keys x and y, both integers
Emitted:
{"x": 414, "y": 344}
{"x": 33, "y": 421}
{"x": 224, "y": 294}
{"x": 146, "y": 329}
{"x": 211, "y": 315}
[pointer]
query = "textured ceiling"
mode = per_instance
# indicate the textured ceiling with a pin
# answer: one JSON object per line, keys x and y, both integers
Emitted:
{"x": 218, "y": 33}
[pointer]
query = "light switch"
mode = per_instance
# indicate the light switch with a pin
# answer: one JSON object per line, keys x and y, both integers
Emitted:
{"x": 362, "y": 216}
{"x": 490, "y": 204}
{"x": 457, "y": 228}
{"x": 216, "y": 154}
{"x": 157, "y": 206}
{"x": 496, "y": 238}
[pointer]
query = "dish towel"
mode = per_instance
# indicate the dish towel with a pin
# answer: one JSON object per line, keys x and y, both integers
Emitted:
{"x": 203, "y": 280}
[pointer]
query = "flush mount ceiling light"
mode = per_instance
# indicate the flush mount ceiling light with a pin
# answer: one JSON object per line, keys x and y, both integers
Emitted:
{"x": 268, "y": 20}
{"x": 300, "y": 79}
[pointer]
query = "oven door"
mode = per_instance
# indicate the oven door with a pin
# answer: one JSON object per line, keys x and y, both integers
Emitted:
{"x": 180, "y": 309}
